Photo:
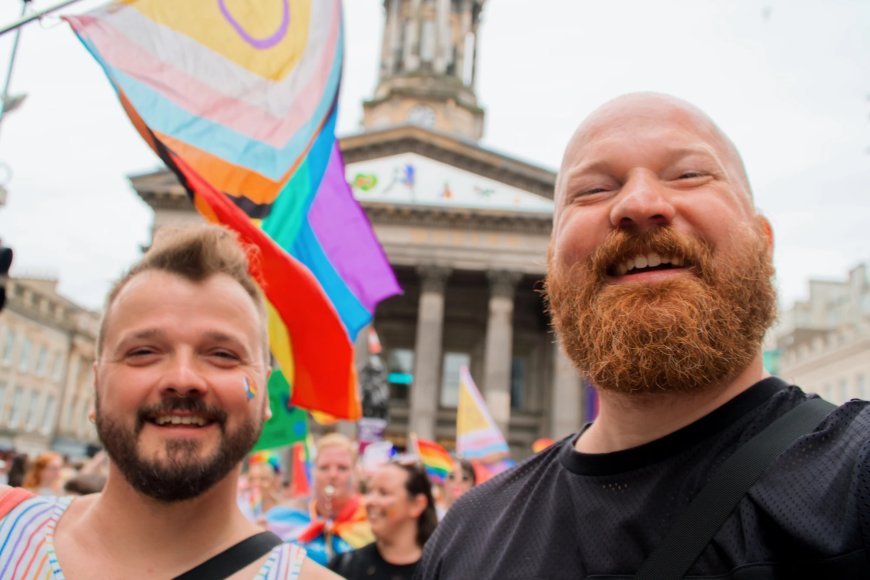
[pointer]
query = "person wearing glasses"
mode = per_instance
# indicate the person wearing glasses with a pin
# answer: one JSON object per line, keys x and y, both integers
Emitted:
{"x": 460, "y": 480}
{"x": 402, "y": 516}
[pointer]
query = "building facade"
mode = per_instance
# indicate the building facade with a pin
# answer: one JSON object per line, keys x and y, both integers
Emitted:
{"x": 46, "y": 378}
{"x": 823, "y": 343}
{"x": 465, "y": 229}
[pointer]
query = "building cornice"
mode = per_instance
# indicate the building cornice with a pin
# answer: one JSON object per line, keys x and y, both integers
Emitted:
{"x": 457, "y": 217}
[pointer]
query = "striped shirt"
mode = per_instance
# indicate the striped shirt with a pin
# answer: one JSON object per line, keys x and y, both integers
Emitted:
{"x": 27, "y": 544}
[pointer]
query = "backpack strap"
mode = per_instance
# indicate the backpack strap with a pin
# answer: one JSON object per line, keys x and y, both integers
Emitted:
{"x": 709, "y": 509}
{"x": 10, "y": 499}
{"x": 233, "y": 558}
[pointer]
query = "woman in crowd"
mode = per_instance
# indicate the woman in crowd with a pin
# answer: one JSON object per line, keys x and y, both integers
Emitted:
{"x": 459, "y": 481}
{"x": 402, "y": 516}
{"x": 43, "y": 475}
{"x": 263, "y": 492}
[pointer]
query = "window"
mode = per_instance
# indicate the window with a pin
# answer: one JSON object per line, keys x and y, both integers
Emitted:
{"x": 400, "y": 372}
{"x": 24, "y": 356}
{"x": 8, "y": 346}
{"x": 518, "y": 381}
{"x": 453, "y": 361}
{"x": 48, "y": 413}
{"x": 30, "y": 414}
{"x": 17, "y": 406}
{"x": 66, "y": 419}
{"x": 41, "y": 361}
{"x": 57, "y": 371}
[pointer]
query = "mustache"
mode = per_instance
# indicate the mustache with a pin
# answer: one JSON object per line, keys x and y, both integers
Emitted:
{"x": 186, "y": 404}
{"x": 621, "y": 245}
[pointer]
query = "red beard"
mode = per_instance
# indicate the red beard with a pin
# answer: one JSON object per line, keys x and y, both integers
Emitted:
{"x": 677, "y": 336}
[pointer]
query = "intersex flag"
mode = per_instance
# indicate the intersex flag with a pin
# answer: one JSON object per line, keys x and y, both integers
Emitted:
{"x": 239, "y": 99}
{"x": 478, "y": 438}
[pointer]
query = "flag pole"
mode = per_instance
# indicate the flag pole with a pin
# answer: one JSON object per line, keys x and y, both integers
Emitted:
{"x": 36, "y": 15}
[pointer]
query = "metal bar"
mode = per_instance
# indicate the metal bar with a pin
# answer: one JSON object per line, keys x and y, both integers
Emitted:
{"x": 36, "y": 15}
{"x": 4, "y": 96}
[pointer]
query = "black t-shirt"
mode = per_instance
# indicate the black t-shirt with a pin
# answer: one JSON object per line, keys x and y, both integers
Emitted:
{"x": 367, "y": 563}
{"x": 568, "y": 515}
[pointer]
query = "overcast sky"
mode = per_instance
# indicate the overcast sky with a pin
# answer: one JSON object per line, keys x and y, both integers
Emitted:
{"x": 788, "y": 80}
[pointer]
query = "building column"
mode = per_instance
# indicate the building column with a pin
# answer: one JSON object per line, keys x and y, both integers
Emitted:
{"x": 566, "y": 399}
{"x": 499, "y": 347}
{"x": 445, "y": 44}
{"x": 427, "y": 351}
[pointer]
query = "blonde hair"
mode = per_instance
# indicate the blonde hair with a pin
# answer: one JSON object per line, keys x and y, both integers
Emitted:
{"x": 337, "y": 440}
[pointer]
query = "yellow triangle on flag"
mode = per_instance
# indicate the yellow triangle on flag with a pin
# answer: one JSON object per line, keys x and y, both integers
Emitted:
{"x": 469, "y": 415}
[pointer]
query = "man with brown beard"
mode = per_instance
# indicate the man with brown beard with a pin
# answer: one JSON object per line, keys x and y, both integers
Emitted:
{"x": 180, "y": 385}
{"x": 660, "y": 289}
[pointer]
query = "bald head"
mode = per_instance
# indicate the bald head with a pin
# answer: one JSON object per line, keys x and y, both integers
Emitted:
{"x": 623, "y": 114}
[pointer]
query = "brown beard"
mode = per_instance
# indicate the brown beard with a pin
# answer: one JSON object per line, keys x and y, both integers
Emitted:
{"x": 678, "y": 336}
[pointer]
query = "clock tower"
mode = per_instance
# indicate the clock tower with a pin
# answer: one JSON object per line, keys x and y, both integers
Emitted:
{"x": 428, "y": 68}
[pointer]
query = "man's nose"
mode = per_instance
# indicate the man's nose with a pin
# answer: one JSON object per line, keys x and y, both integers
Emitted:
{"x": 183, "y": 376}
{"x": 643, "y": 203}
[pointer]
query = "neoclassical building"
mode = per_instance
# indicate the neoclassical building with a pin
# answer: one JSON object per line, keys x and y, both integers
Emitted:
{"x": 823, "y": 343}
{"x": 46, "y": 379}
{"x": 465, "y": 229}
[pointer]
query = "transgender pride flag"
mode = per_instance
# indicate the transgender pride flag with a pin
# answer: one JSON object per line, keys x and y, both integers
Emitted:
{"x": 477, "y": 436}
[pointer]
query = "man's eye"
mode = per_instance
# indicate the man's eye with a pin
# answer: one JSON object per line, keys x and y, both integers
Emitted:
{"x": 139, "y": 352}
{"x": 225, "y": 355}
{"x": 692, "y": 174}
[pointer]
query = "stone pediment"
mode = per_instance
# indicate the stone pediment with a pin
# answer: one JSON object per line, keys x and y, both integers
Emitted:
{"x": 446, "y": 149}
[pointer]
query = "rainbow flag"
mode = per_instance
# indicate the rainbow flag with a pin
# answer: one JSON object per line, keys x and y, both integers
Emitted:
{"x": 300, "y": 482}
{"x": 240, "y": 101}
{"x": 477, "y": 436}
{"x": 434, "y": 458}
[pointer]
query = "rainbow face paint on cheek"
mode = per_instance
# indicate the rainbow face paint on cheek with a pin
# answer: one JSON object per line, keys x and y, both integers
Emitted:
{"x": 250, "y": 388}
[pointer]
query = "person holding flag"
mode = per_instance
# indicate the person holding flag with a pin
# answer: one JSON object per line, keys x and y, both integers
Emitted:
{"x": 262, "y": 495}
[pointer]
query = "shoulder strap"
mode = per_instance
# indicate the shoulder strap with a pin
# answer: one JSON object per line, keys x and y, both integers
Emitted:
{"x": 11, "y": 498}
{"x": 233, "y": 558}
{"x": 709, "y": 509}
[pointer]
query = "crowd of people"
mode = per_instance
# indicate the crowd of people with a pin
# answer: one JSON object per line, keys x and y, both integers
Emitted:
{"x": 52, "y": 474}
{"x": 360, "y": 523}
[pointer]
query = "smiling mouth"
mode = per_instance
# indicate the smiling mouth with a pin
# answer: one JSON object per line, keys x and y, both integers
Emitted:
{"x": 649, "y": 262}
{"x": 175, "y": 420}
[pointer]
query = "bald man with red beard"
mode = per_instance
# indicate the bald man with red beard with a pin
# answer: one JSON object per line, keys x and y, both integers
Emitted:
{"x": 660, "y": 288}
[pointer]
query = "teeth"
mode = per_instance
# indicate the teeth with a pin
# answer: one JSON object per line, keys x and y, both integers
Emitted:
{"x": 176, "y": 420}
{"x": 650, "y": 260}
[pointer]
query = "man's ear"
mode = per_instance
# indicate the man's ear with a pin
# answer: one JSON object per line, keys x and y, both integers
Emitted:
{"x": 267, "y": 404}
{"x": 767, "y": 230}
